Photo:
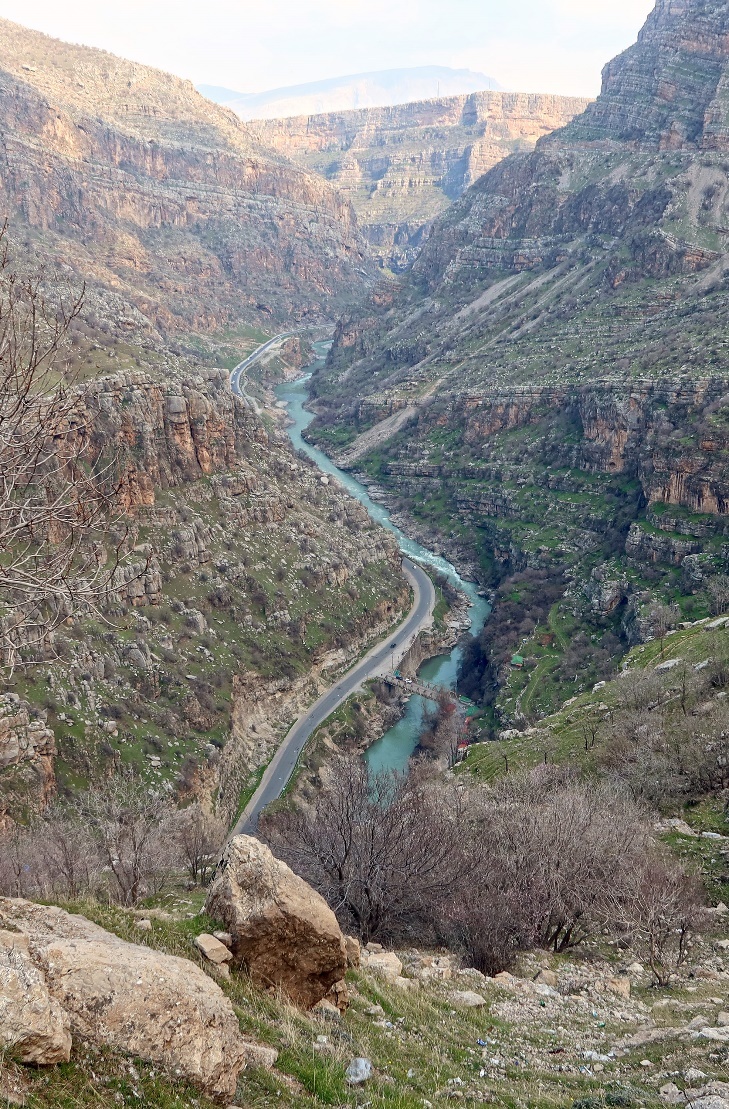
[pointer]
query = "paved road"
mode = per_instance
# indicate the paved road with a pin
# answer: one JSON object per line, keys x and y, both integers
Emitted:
{"x": 380, "y": 660}
{"x": 237, "y": 376}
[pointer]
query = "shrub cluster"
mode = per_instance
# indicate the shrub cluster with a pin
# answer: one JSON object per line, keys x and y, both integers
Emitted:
{"x": 119, "y": 843}
{"x": 540, "y": 859}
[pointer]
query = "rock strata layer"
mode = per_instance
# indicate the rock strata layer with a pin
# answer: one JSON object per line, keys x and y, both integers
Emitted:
{"x": 402, "y": 166}
{"x": 549, "y": 384}
{"x": 165, "y": 204}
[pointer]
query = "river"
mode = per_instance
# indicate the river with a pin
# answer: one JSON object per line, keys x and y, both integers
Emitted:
{"x": 394, "y": 749}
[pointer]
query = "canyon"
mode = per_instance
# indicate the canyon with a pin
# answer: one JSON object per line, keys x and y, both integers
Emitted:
{"x": 548, "y": 383}
{"x": 248, "y": 584}
{"x": 180, "y": 225}
{"x": 402, "y": 166}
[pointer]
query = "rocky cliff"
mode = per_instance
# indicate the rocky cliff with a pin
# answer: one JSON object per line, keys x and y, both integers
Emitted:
{"x": 402, "y": 166}
{"x": 556, "y": 361}
{"x": 249, "y": 580}
{"x": 165, "y": 204}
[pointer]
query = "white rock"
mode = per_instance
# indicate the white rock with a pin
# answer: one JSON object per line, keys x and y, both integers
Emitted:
{"x": 213, "y": 950}
{"x": 359, "y": 1071}
{"x": 468, "y": 999}
{"x": 386, "y": 965}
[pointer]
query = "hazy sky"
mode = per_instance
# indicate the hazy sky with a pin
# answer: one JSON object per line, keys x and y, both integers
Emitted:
{"x": 253, "y": 45}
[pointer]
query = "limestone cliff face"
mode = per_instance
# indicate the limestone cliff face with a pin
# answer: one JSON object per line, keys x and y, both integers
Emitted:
{"x": 402, "y": 166}
{"x": 127, "y": 178}
{"x": 249, "y": 581}
{"x": 560, "y": 344}
{"x": 163, "y": 434}
{"x": 27, "y": 750}
{"x": 669, "y": 91}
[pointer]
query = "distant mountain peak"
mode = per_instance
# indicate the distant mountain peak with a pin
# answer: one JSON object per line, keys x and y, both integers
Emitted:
{"x": 380, "y": 89}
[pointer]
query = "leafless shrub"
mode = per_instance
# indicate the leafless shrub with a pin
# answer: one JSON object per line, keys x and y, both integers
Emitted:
{"x": 383, "y": 852}
{"x": 127, "y": 823}
{"x": 718, "y": 589}
{"x": 660, "y": 905}
{"x": 541, "y": 858}
{"x": 66, "y": 856}
{"x": 197, "y": 837}
{"x": 552, "y": 850}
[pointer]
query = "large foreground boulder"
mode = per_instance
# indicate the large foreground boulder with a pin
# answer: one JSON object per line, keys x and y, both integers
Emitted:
{"x": 282, "y": 930}
{"x": 33, "y": 1026}
{"x": 158, "y": 1007}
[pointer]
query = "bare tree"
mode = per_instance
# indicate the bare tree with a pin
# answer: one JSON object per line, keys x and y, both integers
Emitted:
{"x": 382, "y": 851}
{"x": 70, "y": 862}
{"x": 198, "y": 837}
{"x": 55, "y": 496}
{"x": 662, "y": 618}
{"x": 718, "y": 589}
{"x": 127, "y": 822}
{"x": 660, "y": 906}
{"x": 441, "y": 739}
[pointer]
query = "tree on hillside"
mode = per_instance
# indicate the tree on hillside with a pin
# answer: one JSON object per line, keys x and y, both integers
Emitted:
{"x": 55, "y": 498}
{"x": 382, "y": 851}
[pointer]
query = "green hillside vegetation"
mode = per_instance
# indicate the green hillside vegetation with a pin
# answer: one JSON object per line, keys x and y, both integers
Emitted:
{"x": 423, "y": 1047}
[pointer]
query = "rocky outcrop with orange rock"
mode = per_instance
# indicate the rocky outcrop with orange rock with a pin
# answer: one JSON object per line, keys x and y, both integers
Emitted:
{"x": 283, "y": 932}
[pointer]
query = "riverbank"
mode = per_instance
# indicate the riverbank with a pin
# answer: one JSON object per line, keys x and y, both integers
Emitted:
{"x": 375, "y": 711}
{"x": 394, "y": 748}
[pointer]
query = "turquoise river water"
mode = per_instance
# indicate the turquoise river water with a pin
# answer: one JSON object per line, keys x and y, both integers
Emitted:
{"x": 394, "y": 749}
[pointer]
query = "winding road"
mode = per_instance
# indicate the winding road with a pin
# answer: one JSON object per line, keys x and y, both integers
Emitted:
{"x": 381, "y": 659}
{"x": 237, "y": 376}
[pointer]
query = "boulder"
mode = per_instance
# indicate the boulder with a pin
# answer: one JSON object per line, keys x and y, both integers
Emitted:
{"x": 213, "y": 950}
{"x": 339, "y": 996}
{"x": 352, "y": 947}
{"x": 260, "y": 1055}
{"x": 33, "y": 1026}
{"x": 159, "y": 1007}
{"x": 619, "y": 986}
{"x": 546, "y": 978}
{"x": 386, "y": 964}
{"x": 468, "y": 999}
{"x": 359, "y": 1071}
{"x": 283, "y": 932}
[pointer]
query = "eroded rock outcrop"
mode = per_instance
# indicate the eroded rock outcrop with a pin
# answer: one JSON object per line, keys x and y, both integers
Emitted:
{"x": 65, "y": 973}
{"x": 106, "y": 160}
{"x": 33, "y": 1026}
{"x": 283, "y": 932}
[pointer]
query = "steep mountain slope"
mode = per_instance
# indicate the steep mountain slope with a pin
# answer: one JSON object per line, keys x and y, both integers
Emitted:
{"x": 249, "y": 582}
{"x": 557, "y": 360}
{"x": 403, "y": 166}
{"x": 359, "y": 90}
{"x": 175, "y": 216}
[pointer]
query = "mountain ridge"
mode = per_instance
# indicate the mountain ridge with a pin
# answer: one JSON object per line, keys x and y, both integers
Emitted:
{"x": 375, "y": 89}
{"x": 561, "y": 346}
{"x": 403, "y": 165}
{"x": 126, "y": 178}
